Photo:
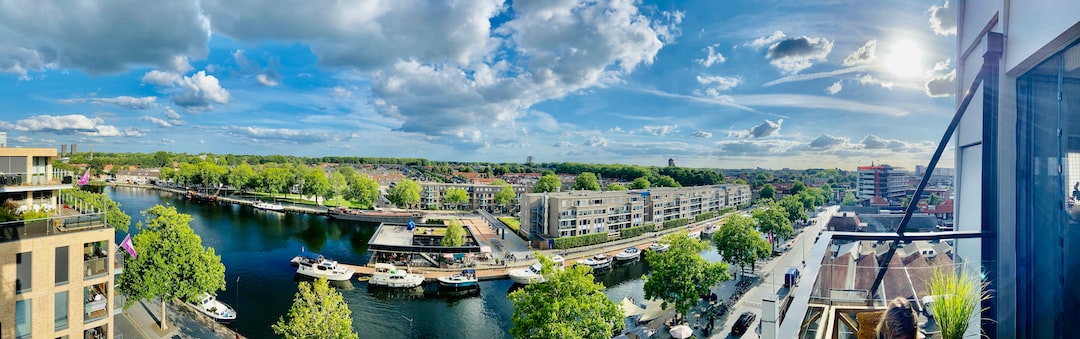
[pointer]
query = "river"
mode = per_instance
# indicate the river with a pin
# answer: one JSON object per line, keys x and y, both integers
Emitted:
{"x": 256, "y": 246}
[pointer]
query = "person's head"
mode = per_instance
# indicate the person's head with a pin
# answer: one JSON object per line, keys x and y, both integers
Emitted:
{"x": 898, "y": 322}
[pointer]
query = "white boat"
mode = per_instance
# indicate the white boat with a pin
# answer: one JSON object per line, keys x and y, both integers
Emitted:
{"x": 629, "y": 254}
{"x": 262, "y": 205}
{"x": 315, "y": 265}
{"x": 696, "y": 235}
{"x": 387, "y": 275}
{"x": 531, "y": 274}
{"x": 597, "y": 262}
{"x": 210, "y": 306}
{"x": 709, "y": 231}
{"x": 659, "y": 247}
{"x": 467, "y": 278}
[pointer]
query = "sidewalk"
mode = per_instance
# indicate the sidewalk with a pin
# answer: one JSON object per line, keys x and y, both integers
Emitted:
{"x": 141, "y": 321}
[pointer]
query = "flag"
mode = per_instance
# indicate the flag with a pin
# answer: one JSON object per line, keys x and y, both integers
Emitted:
{"x": 85, "y": 177}
{"x": 129, "y": 246}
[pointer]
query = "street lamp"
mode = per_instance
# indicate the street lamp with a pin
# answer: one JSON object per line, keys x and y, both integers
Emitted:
{"x": 410, "y": 324}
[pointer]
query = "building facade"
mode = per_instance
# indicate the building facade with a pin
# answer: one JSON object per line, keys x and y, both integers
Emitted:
{"x": 57, "y": 272}
{"x": 481, "y": 196}
{"x": 553, "y": 215}
{"x": 881, "y": 181}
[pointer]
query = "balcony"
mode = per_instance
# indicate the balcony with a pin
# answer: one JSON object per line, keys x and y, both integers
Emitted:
{"x": 96, "y": 259}
{"x": 95, "y": 302}
{"x": 29, "y": 181}
{"x": 58, "y": 224}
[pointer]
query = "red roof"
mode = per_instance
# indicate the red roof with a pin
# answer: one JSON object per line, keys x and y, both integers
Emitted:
{"x": 878, "y": 201}
{"x": 945, "y": 207}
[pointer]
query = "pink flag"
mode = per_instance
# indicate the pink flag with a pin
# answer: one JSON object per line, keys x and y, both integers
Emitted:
{"x": 85, "y": 177}
{"x": 130, "y": 247}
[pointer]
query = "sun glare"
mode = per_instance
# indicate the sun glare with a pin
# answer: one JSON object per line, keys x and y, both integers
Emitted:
{"x": 904, "y": 59}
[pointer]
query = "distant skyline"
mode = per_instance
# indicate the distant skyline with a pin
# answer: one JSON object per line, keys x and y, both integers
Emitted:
{"x": 732, "y": 84}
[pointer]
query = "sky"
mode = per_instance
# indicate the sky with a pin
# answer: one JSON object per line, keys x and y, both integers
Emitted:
{"x": 716, "y": 84}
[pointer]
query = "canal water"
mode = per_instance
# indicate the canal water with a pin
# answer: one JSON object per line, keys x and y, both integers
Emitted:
{"x": 256, "y": 246}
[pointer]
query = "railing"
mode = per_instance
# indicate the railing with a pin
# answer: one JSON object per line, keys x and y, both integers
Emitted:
{"x": 96, "y": 266}
{"x": 32, "y": 179}
{"x": 26, "y": 229}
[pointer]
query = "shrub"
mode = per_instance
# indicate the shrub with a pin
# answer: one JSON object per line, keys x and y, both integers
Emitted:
{"x": 511, "y": 222}
{"x": 631, "y": 232}
{"x": 705, "y": 216}
{"x": 676, "y": 223}
{"x": 580, "y": 240}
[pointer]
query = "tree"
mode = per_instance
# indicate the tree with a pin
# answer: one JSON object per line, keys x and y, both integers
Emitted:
{"x": 586, "y": 181}
{"x": 796, "y": 187}
{"x": 363, "y": 189}
{"x": 935, "y": 199}
{"x": 773, "y": 220}
{"x": 456, "y": 196}
{"x": 318, "y": 311}
{"x": 239, "y": 176}
{"x": 616, "y": 187}
{"x": 505, "y": 196}
{"x": 793, "y": 208}
{"x": 681, "y": 275}
{"x": 568, "y": 305}
{"x": 172, "y": 262}
{"x": 640, "y": 184}
{"x": 547, "y": 183}
{"x": 338, "y": 185}
{"x": 849, "y": 200}
{"x": 666, "y": 181}
{"x": 406, "y": 193}
{"x": 455, "y": 234}
{"x": 315, "y": 183}
{"x": 275, "y": 180}
{"x": 739, "y": 243}
{"x": 767, "y": 192}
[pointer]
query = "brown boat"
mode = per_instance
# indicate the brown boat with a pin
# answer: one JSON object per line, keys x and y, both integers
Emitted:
{"x": 375, "y": 216}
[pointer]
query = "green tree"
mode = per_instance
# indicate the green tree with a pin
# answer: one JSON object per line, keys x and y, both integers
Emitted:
{"x": 239, "y": 176}
{"x": 767, "y": 192}
{"x": 338, "y": 185}
{"x": 275, "y": 180}
{"x": 362, "y": 188}
{"x": 455, "y": 234}
{"x": 640, "y": 184}
{"x": 796, "y": 187}
{"x": 935, "y": 199}
{"x": 849, "y": 200}
{"x": 568, "y": 305}
{"x": 505, "y": 196}
{"x": 547, "y": 183}
{"x": 318, "y": 311}
{"x": 681, "y": 275}
{"x": 616, "y": 187}
{"x": 456, "y": 196}
{"x": 172, "y": 262}
{"x": 793, "y": 208}
{"x": 666, "y": 181}
{"x": 586, "y": 181}
{"x": 406, "y": 193}
{"x": 314, "y": 182}
{"x": 739, "y": 243}
{"x": 772, "y": 219}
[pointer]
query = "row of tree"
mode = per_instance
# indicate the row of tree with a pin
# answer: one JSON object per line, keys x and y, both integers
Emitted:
{"x": 589, "y": 182}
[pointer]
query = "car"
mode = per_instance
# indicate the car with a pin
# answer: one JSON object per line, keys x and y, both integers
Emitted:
{"x": 744, "y": 322}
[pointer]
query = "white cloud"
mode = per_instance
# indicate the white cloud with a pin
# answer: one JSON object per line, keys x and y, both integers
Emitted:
{"x": 341, "y": 93}
{"x": 942, "y": 86}
{"x": 105, "y": 36}
{"x": 286, "y": 135}
{"x": 701, "y": 134}
{"x": 864, "y": 55}
{"x": 160, "y": 78}
{"x": 874, "y": 142}
{"x": 563, "y": 144}
{"x": 943, "y": 19}
{"x": 836, "y": 87}
{"x": 167, "y": 141}
{"x": 811, "y": 76}
{"x": 597, "y": 141}
{"x": 767, "y": 128}
{"x": 826, "y": 141}
{"x": 23, "y": 139}
{"x": 266, "y": 80}
{"x": 752, "y": 147}
{"x": 69, "y": 124}
{"x": 157, "y": 121}
{"x": 615, "y": 129}
{"x": 124, "y": 101}
{"x": 196, "y": 91}
{"x": 867, "y": 79}
{"x": 712, "y": 57}
{"x": 660, "y": 130}
{"x": 720, "y": 83}
{"x": 815, "y": 101}
{"x": 171, "y": 114}
{"x": 796, "y": 54}
{"x": 766, "y": 40}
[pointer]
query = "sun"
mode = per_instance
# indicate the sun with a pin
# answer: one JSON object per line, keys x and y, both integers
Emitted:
{"x": 904, "y": 59}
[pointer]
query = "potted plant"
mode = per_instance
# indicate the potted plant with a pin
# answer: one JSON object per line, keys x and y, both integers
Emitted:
{"x": 956, "y": 297}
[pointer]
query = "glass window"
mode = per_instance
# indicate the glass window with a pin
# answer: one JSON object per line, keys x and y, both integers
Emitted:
{"x": 22, "y": 272}
{"x": 22, "y": 318}
{"x": 60, "y": 310}
{"x": 62, "y": 265}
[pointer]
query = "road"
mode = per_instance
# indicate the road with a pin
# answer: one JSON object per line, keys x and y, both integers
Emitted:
{"x": 773, "y": 276}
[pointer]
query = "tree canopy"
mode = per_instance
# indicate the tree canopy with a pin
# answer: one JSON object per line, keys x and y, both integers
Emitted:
{"x": 505, "y": 196}
{"x": 456, "y": 196}
{"x": 547, "y": 183}
{"x": 666, "y": 181}
{"x": 172, "y": 262}
{"x": 849, "y": 200}
{"x": 616, "y": 187}
{"x": 406, "y": 193}
{"x": 586, "y": 181}
{"x": 318, "y": 311}
{"x": 640, "y": 183}
{"x": 681, "y": 275}
{"x": 455, "y": 234}
{"x": 739, "y": 243}
{"x": 767, "y": 192}
{"x": 772, "y": 219}
{"x": 568, "y": 305}
{"x": 362, "y": 188}
{"x": 794, "y": 208}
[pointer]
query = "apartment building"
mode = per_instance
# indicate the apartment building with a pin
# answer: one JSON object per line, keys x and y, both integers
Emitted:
{"x": 881, "y": 181}
{"x": 57, "y": 272}
{"x": 481, "y": 196}
{"x": 562, "y": 214}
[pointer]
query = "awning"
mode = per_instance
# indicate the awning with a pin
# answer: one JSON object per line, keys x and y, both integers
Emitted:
{"x": 485, "y": 249}
{"x": 653, "y": 309}
{"x": 629, "y": 308}
{"x": 448, "y": 256}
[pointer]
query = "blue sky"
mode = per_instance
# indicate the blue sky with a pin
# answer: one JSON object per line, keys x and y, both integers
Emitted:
{"x": 725, "y": 84}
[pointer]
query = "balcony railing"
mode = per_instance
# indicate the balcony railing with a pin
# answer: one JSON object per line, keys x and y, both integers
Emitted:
{"x": 35, "y": 179}
{"x": 96, "y": 267}
{"x": 26, "y": 229}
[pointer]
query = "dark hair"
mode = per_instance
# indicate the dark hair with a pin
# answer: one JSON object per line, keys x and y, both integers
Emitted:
{"x": 899, "y": 321}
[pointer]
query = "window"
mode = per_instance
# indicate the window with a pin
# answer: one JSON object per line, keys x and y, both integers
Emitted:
{"x": 22, "y": 272}
{"x": 22, "y": 319}
{"x": 60, "y": 311}
{"x": 62, "y": 265}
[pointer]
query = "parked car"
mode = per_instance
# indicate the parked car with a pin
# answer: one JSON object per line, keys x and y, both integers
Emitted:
{"x": 744, "y": 322}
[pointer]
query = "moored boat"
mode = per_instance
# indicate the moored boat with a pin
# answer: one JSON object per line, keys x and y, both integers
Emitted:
{"x": 210, "y": 306}
{"x": 597, "y": 262}
{"x": 710, "y": 230}
{"x": 531, "y": 274}
{"x": 659, "y": 247}
{"x": 375, "y": 216}
{"x": 262, "y": 205}
{"x": 467, "y": 278}
{"x": 315, "y": 265}
{"x": 629, "y": 254}
{"x": 389, "y": 276}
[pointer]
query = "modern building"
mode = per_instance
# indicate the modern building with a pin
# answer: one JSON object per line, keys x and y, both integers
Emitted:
{"x": 57, "y": 272}
{"x": 881, "y": 181}
{"x": 139, "y": 176}
{"x": 562, "y": 214}
{"x": 481, "y": 196}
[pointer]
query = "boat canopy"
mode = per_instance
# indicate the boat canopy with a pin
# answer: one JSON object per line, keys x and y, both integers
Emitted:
{"x": 311, "y": 255}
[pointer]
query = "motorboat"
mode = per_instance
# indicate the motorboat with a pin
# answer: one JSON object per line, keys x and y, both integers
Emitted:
{"x": 658, "y": 247}
{"x": 210, "y": 306}
{"x": 531, "y": 274}
{"x": 696, "y": 235}
{"x": 710, "y": 230}
{"x": 376, "y": 216}
{"x": 262, "y": 205}
{"x": 387, "y": 275}
{"x": 629, "y": 254}
{"x": 467, "y": 278}
{"x": 597, "y": 262}
{"x": 316, "y": 266}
